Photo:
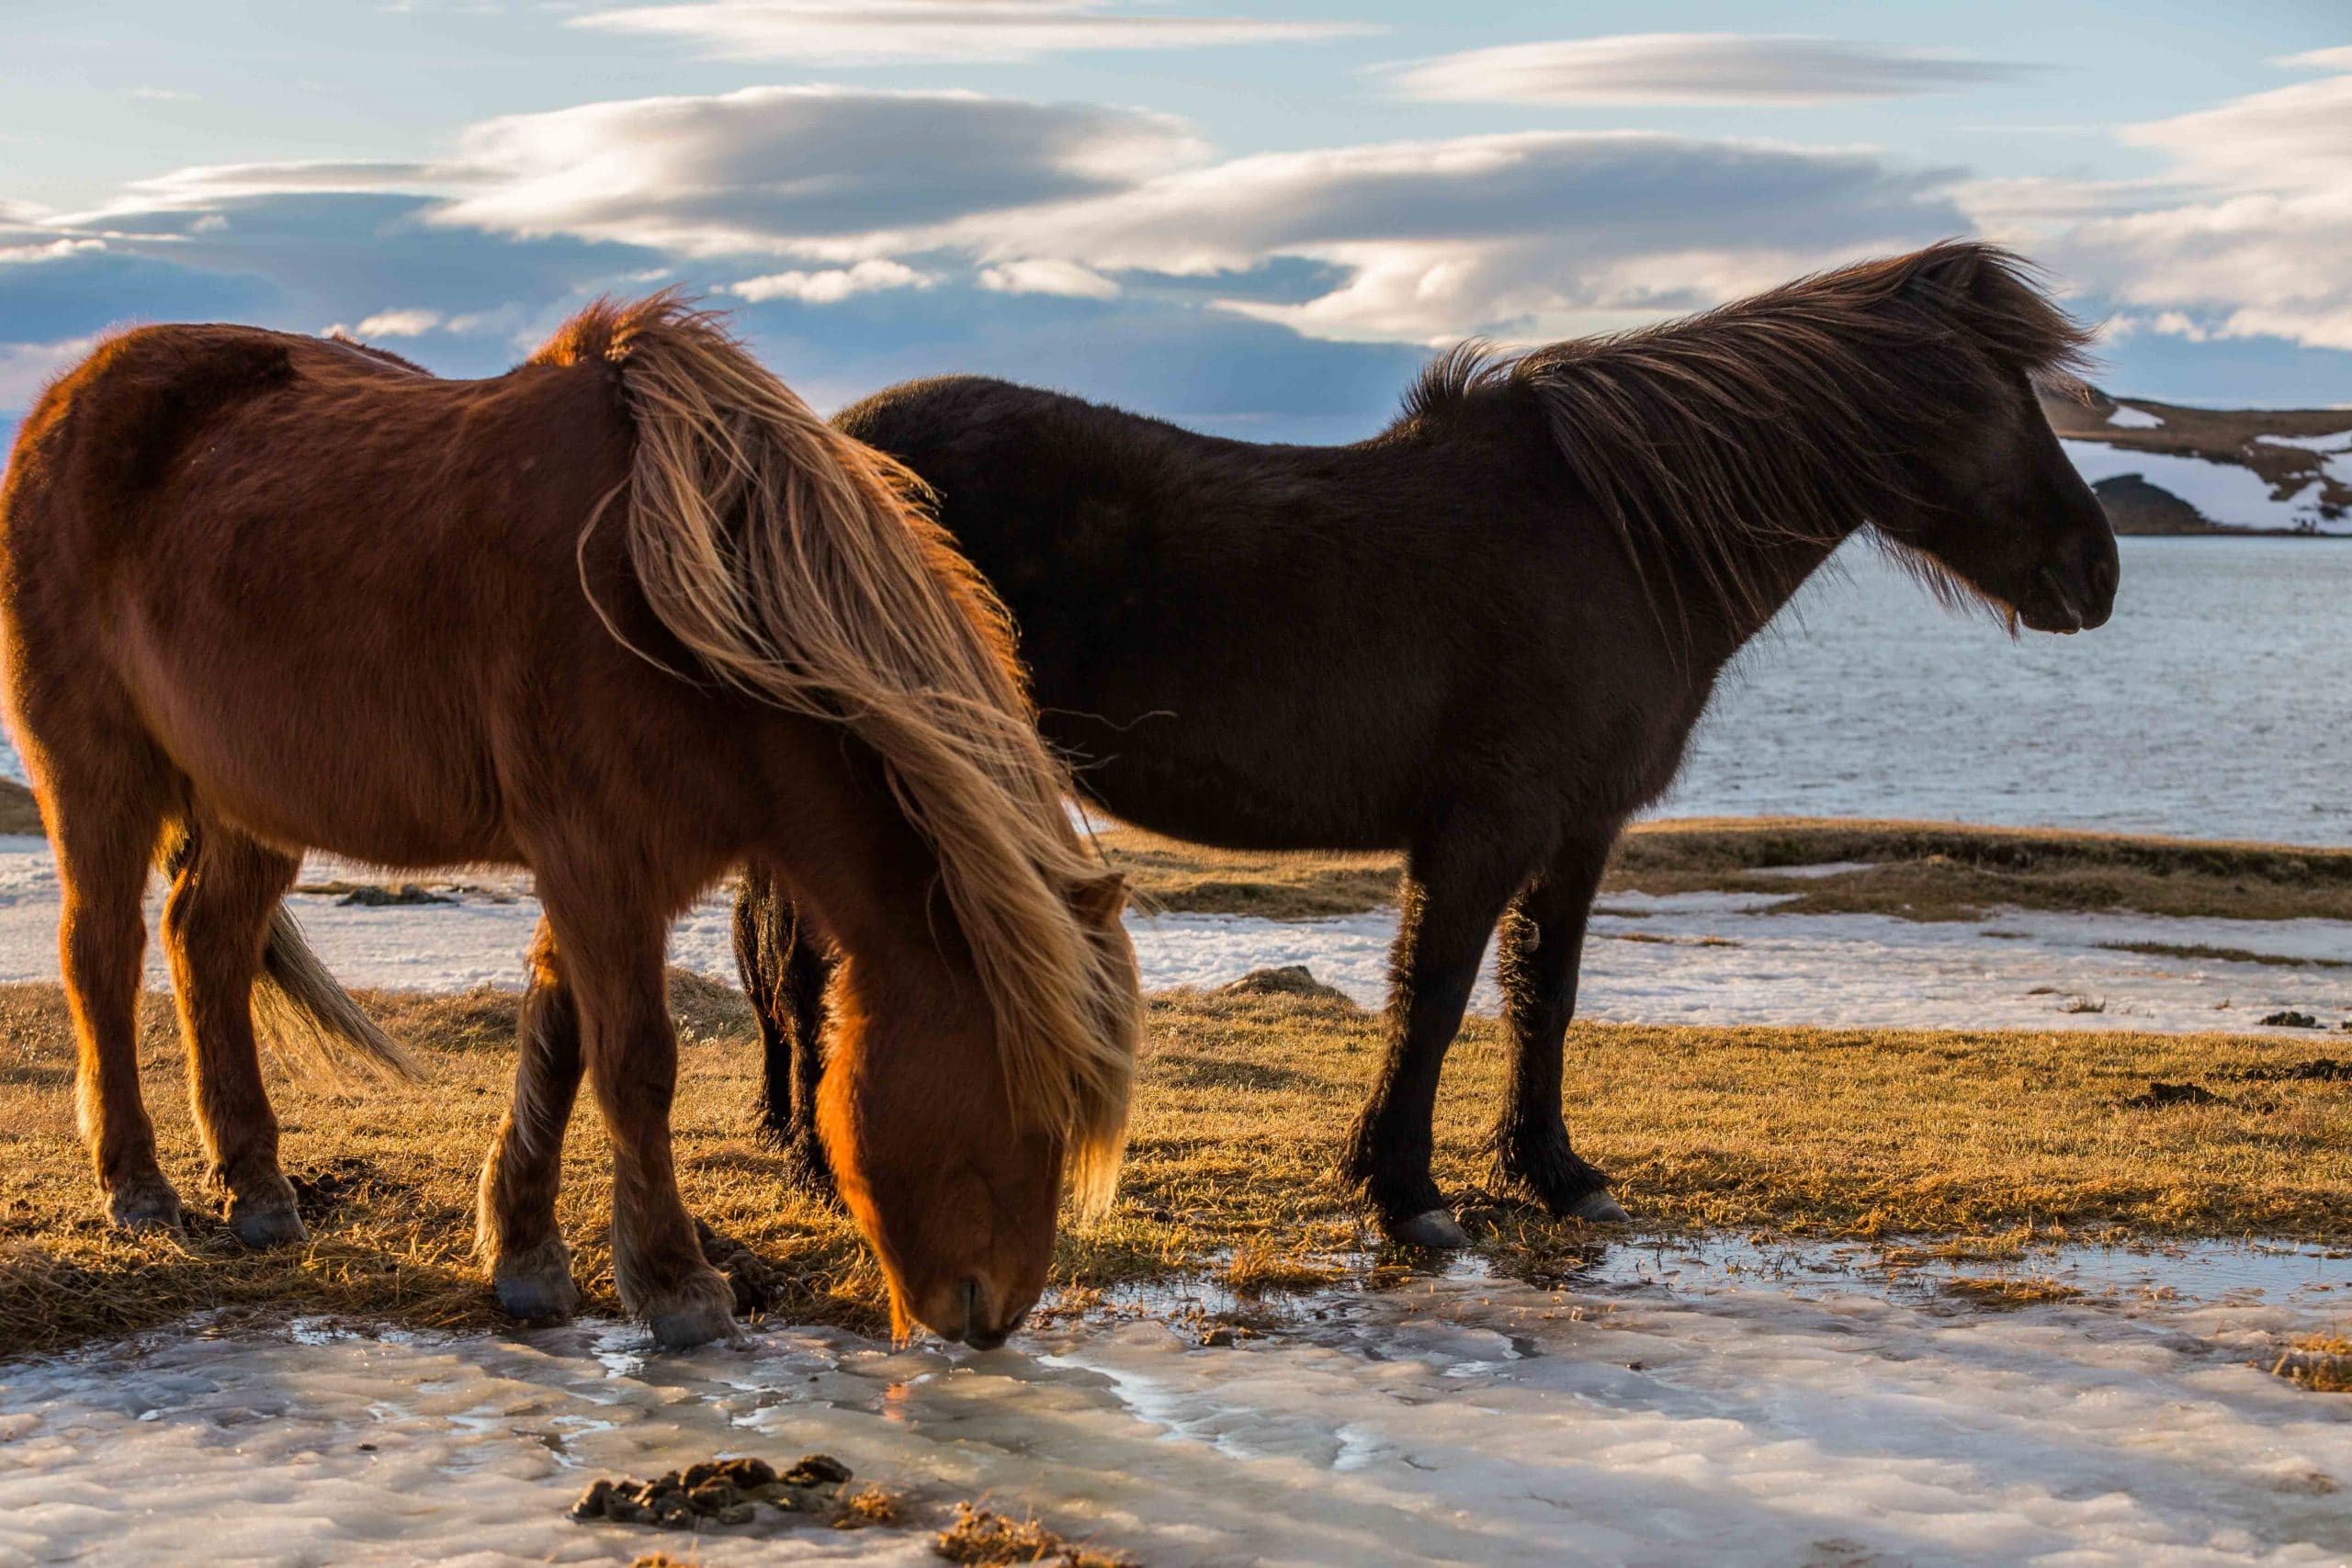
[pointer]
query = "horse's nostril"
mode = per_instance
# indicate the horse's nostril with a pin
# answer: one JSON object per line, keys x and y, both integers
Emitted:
{"x": 2103, "y": 569}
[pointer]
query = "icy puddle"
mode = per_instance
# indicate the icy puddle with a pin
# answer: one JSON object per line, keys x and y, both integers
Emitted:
{"x": 1739, "y": 1405}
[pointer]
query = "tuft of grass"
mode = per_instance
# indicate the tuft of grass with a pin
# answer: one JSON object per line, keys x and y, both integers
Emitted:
{"x": 2008, "y": 1292}
{"x": 870, "y": 1508}
{"x": 983, "y": 1536}
{"x": 1241, "y": 1106}
{"x": 2321, "y": 1363}
{"x": 1264, "y": 1263}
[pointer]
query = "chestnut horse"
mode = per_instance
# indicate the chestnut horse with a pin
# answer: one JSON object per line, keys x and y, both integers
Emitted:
{"x": 628, "y": 616}
{"x": 1484, "y": 635}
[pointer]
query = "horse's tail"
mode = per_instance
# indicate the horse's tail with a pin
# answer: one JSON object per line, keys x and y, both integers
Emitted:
{"x": 794, "y": 563}
{"x": 300, "y": 1009}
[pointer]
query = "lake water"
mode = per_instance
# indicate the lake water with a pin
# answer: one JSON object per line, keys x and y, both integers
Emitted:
{"x": 2214, "y": 704}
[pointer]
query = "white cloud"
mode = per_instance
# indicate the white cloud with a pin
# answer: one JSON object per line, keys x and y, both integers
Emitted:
{"x": 827, "y": 172}
{"x": 27, "y": 368}
{"x": 1691, "y": 68}
{"x": 1035, "y": 276}
{"x": 832, "y": 284}
{"x": 2252, "y": 241}
{"x": 869, "y": 32}
{"x": 48, "y": 249}
{"x": 1535, "y": 233}
{"x": 412, "y": 323}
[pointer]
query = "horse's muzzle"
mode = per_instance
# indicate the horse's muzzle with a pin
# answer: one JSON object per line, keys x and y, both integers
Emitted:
{"x": 2075, "y": 596}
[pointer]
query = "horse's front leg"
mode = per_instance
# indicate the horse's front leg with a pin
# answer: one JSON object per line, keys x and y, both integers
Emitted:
{"x": 1450, "y": 898}
{"x": 515, "y": 1231}
{"x": 611, "y": 958}
{"x": 1542, "y": 947}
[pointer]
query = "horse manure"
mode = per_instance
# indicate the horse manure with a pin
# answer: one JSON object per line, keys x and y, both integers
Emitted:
{"x": 716, "y": 1491}
{"x": 2291, "y": 1020}
{"x": 758, "y": 1284}
{"x": 2160, "y": 1095}
{"x": 367, "y": 896}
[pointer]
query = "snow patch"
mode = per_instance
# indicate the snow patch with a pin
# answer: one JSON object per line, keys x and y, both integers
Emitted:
{"x": 2340, "y": 441}
{"x": 2225, "y": 493}
{"x": 2129, "y": 418}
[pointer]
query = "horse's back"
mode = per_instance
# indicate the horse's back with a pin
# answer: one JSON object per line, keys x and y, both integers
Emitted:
{"x": 1246, "y": 644}
{"x": 287, "y": 554}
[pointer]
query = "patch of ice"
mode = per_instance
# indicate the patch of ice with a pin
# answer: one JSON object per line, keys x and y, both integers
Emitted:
{"x": 2225, "y": 493}
{"x": 1449, "y": 1421}
{"x": 2128, "y": 418}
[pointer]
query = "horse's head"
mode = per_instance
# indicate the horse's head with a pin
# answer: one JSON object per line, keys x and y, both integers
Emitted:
{"x": 953, "y": 1184}
{"x": 1992, "y": 498}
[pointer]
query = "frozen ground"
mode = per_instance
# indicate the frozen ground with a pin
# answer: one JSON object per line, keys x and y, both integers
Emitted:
{"x": 1646, "y": 1414}
{"x": 1692, "y": 958}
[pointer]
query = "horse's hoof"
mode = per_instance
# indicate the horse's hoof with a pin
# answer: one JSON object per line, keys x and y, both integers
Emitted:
{"x": 145, "y": 1204}
{"x": 535, "y": 1282}
{"x": 693, "y": 1326}
{"x": 1431, "y": 1227}
{"x": 527, "y": 1297}
{"x": 266, "y": 1225}
{"x": 1598, "y": 1208}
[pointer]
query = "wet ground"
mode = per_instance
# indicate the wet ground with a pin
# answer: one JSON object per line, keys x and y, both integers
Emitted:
{"x": 1732, "y": 1402}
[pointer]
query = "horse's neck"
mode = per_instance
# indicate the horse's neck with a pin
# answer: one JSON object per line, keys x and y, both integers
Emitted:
{"x": 1717, "y": 623}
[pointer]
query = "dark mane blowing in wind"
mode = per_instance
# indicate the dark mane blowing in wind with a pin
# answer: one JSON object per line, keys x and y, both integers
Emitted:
{"x": 1785, "y": 416}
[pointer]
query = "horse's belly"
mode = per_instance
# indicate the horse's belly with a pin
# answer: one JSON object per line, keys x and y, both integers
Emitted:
{"x": 324, "y": 764}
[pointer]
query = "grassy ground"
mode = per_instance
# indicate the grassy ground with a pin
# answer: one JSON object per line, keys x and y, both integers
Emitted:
{"x": 1244, "y": 1100}
{"x": 1921, "y": 871}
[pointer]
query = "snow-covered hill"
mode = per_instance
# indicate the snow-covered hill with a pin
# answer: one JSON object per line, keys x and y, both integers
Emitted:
{"x": 2161, "y": 468}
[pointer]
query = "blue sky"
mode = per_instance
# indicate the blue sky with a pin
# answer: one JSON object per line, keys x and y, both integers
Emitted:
{"x": 1255, "y": 218}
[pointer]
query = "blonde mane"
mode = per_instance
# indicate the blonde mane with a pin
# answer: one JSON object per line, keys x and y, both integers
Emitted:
{"x": 795, "y": 565}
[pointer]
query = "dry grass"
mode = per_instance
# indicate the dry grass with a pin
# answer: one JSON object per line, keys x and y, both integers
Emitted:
{"x": 2321, "y": 1363}
{"x": 1921, "y": 871}
{"x": 2007, "y": 1292}
{"x": 984, "y": 1537}
{"x": 17, "y": 813}
{"x": 1243, "y": 1104}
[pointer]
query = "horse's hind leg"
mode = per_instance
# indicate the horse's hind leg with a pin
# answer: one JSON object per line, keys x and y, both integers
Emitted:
{"x": 214, "y": 924}
{"x": 530, "y": 1268}
{"x": 1543, "y": 943}
{"x": 612, "y": 958}
{"x": 785, "y": 973}
{"x": 104, "y": 837}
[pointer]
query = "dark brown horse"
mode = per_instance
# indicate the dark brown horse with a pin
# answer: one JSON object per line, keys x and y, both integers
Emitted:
{"x": 628, "y": 616}
{"x": 1484, "y": 635}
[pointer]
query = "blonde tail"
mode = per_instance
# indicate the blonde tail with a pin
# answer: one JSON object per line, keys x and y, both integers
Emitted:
{"x": 300, "y": 1011}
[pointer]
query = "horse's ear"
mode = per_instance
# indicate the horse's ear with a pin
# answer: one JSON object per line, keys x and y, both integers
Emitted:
{"x": 1098, "y": 899}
